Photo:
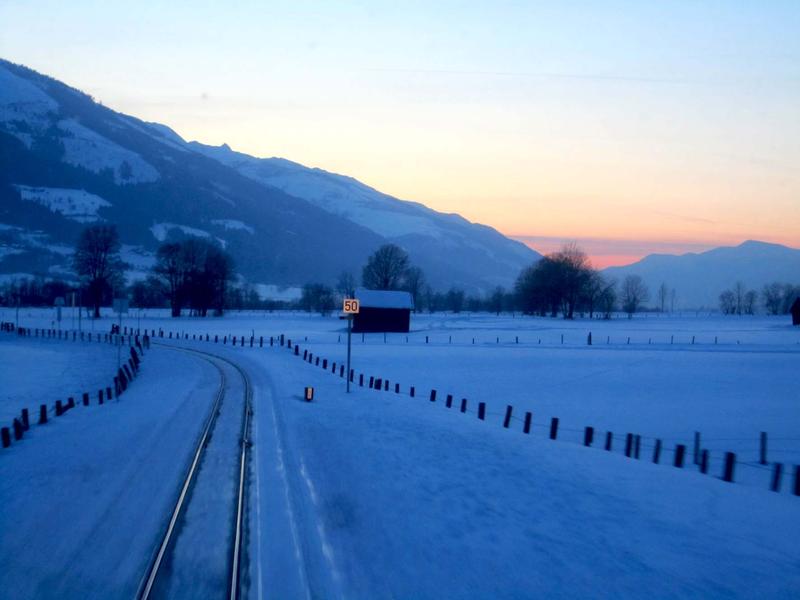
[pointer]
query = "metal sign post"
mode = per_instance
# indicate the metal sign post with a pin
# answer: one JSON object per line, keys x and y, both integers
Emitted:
{"x": 350, "y": 309}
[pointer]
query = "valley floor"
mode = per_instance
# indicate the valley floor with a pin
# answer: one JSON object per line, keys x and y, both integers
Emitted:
{"x": 381, "y": 495}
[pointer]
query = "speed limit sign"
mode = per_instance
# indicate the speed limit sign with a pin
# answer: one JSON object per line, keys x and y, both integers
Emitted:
{"x": 350, "y": 306}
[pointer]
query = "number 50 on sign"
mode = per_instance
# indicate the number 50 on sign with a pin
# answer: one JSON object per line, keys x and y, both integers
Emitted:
{"x": 350, "y": 306}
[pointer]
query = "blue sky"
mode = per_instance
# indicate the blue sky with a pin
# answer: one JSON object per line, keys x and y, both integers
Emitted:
{"x": 618, "y": 124}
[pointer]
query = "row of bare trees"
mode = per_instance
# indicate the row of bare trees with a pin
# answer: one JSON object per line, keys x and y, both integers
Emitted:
{"x": 776, "y": 298}
{"x": 564, "y": 283}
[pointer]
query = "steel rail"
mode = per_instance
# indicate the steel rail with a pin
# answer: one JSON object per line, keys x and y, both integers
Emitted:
{"x": 147, "y": 586}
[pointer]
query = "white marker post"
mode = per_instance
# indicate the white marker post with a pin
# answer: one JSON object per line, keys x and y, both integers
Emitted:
{"x": 350, "y": 309}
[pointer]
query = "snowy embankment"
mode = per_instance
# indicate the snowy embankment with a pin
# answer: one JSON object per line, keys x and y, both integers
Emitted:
{"x": 85, "y": 496}
{"x": 41, "y": 370}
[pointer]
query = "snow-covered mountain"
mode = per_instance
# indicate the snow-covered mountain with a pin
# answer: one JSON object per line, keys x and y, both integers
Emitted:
{"x": 699, "y": 278}
{"x": 66, "y": 160}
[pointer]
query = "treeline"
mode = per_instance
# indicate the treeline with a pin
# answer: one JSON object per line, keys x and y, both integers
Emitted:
{"x": 776, "y": 298}
{"x": 193, "y": 274}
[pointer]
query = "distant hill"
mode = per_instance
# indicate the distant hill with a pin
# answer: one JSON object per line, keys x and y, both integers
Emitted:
{"x": 66, "y": 160}
{"x": 699, "y": 278}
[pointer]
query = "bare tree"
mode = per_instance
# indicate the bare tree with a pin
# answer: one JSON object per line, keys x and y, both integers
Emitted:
{"x": 772, "y": 295}
{"x": 739, "y": 290}
{"x": 346, "y": 285}
{"x": 727, "y": 302}
{"x": 385, "y": 269}
{"x": 97, "y": 262}
{"x": 607, "y": 300}
{"x": 633, "y": 294}
{"x": 750, "y": 298}
{"x": 663, "y": 294}
{"x": 413, "y": 284}
{"x": 497, "y": 300}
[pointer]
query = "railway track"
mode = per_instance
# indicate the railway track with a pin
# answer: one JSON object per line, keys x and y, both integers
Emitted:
{"x": 162, "y": 566}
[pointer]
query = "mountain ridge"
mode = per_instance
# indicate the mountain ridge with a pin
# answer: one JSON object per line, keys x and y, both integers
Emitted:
{"x": 699, "y": 277}
{"x": 285, "y": 223}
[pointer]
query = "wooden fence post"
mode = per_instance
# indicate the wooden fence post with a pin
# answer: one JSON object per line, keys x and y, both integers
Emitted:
{"x": 680, "y": 450}
{"x": 553, "y": 428}
{"x": 775, "y": 486}
{"x": 396, "y": 388}
{"x": 609, "y": 440}
{"x": 704, "y": 461}
{"x": 361, "y": 380}
{"x": 797, "y": 480}
{"x": 730, "y": 463}
{"x": 628, "y": 444}
{"x": 657, "y": 452}
{"x": 482, "y": 410}
{"x": 433, "y": 396}
{"x": 507, "y": 419}
{"x": 25, "y": 419}
{"x": 18, "y": 430}
{"x": 696, "y": 453}
{"x": 86, "y": 398}
{"x": 59, "y": 408}
{"x": 526, "y": 428}
{"x": 588, "y": 436}
{"x": 449, "y": 402}
{"x": 412, "y": 391}
{"x": 42, "y": 414}
{"x": 6, "y": 436}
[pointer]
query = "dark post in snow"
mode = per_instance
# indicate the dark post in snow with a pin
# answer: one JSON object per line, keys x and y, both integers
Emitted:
{"x": 507, "y": 419}
{"x": 730, "y": 463}
{"x": 775, "y": 486}
{"x": 696, "y": 453}
{"x": 86, "y": 398}
{"x": 482, "y": 410}
{"x": 657, "y": 452}
{"x": 463, "y": 405}
{"x": 553, "y": 428}
{"x": 797, "y": 480}
{"x": 42, "y": 414}
{"x": 433, "y": 395}
{"x": 704, "y": 461}
{"x": 18, "y": 430}
{"x": 628, "y": 444}
{"x": 59, "y": 408}
{"x": 588, "y": 436}
{"x": 412, "y": 391}
{"x": 680, "y": 450}
{"x": 449, "y": 402}
{"x": 25, "y": 419}
{"x": 609, "y": 440}
{"x": 6, "y": 435}
{"x": 100, "y": 396}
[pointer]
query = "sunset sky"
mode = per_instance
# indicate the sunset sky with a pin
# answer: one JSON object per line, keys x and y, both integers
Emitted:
{"x": 629, "y": 127}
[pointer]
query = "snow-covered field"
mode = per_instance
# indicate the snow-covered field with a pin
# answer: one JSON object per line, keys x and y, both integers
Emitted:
{"x": 40, "y": 371}
{"x": 374, "y": 494}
